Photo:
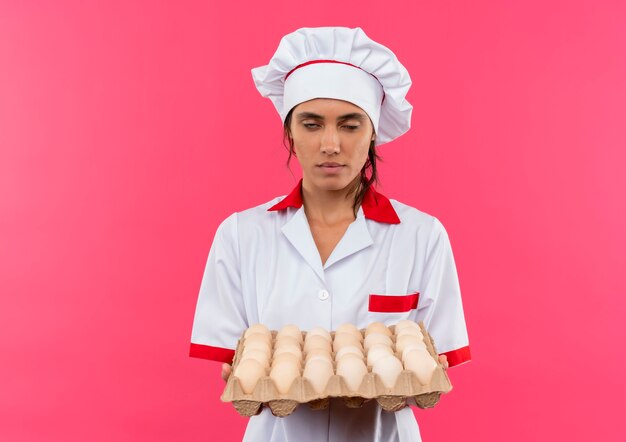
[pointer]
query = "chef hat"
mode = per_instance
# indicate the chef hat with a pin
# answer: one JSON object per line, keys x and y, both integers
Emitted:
{"x": 340, "y": 63}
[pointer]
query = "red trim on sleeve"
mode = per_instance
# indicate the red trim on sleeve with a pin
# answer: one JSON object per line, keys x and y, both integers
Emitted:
{"x": 212, "y": 353}
{"x": 393, "y": 304}
{"x": 458, "y": 356}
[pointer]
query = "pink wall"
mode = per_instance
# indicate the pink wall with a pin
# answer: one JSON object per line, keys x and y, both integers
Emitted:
{"x": 129, "y": 130}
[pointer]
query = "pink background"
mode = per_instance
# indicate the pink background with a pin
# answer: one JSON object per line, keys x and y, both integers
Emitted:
{"x": 129, "y": 130}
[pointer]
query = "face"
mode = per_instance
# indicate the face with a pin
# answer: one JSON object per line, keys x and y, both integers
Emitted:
{"x": 331, "y": 140}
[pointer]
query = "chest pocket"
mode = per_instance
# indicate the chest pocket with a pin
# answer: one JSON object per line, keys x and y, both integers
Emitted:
{"x": 390, "y": 309}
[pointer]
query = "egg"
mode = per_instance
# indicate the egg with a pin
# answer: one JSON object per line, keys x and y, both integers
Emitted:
{"x": 404, "y": 324}
{"x": 287, "y": 358}
{"x": 377, "y": 327}
{"x": 318, "y": 372}
{"x": 410, "y": 347}
{"x": 352, "y": 369}
{"x": 350, "y": 328}
{"x": 249, "y": 372}
{"x": 349, "y": 349}
{"x": 318, "y": 353}
{"x": 257, "y": 345}
{"x": 319, "y": 331}
{"x": 290, "y": 330}
{"x": 257, "y": 328}
{"x": 376, "y": 352}
{"x": 388, "y": 368}
{"x": 376, "y": 338}
{"x": 283, "y": 374}
{"x": 404, "y": 340}
{"x": 312, "y": 342}
{"x": 409, "y": 332}
{"x": 422, "y": 364}
{"x": 258, "y": 355}
{"x": 288, "y": 348}
{"x": 287, "y": 340}
{"x": 259, "y": 337}
{"x": 343, "y": 339}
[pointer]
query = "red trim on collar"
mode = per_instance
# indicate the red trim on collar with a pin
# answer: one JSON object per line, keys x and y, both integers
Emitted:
{"x": 376, "y": 206}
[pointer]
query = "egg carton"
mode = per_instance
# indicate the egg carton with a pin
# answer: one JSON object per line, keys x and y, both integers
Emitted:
{"x": 406, "y": 389}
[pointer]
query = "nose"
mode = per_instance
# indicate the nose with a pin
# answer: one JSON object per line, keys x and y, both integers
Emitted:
{"x": 330, "y": 140}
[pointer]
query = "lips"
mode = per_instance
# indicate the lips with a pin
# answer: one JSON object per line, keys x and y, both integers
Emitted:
{"x": 330, "y": 165}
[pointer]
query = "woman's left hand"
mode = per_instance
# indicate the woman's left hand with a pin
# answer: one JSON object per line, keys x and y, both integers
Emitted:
{"x": 443, "y": 359}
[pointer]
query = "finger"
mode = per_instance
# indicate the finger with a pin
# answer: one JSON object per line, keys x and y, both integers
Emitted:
{"x": 226, "y": 369}
{"x": 444, "y": 361}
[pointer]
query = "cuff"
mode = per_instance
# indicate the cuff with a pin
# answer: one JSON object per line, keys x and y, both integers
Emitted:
{"x": 458, "y": 356}
{"x": 211, "y": 353}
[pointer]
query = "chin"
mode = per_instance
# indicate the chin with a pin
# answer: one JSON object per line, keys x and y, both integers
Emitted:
{"x": 331, "y": 183}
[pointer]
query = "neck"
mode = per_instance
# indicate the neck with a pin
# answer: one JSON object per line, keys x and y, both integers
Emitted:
{"x": 328, "y": 206}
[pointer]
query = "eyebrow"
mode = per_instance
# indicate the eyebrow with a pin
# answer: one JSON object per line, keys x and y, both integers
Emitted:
{"x": 312, "y": 115}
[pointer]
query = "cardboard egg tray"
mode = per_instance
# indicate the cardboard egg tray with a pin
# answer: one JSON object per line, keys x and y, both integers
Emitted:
{"x": 407, "y": 388}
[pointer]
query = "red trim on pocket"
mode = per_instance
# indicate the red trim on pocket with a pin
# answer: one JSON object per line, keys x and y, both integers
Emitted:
{"x": 458, "y": 356}
{"x": 393, "y": 304}
{"x": 212, "y": 353}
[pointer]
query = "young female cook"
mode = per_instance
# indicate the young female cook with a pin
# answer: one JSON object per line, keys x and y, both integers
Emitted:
{"x": 333, "y": 250}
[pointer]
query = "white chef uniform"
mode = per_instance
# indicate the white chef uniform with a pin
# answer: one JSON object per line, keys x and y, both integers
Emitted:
{"x": 394, "y": 262}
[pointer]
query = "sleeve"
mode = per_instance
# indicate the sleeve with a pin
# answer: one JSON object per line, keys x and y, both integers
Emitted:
{"x": 220, "y": 316}
{"x": 442, "y": 310}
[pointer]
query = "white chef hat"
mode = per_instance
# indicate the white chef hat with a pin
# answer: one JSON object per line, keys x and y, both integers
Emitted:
{"x": 340, "y": 63}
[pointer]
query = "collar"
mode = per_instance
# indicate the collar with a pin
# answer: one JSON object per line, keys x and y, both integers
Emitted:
{"x": 376, "y": 206}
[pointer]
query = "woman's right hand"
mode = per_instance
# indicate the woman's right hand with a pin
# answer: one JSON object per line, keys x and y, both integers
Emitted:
{"x": 226, "y": 370}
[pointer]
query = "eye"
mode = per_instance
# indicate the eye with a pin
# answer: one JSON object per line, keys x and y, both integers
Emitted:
{"x": 311, "y": 125}
{"x": 350, "y": 127}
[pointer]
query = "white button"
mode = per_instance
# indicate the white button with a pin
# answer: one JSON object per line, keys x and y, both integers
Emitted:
{"x": 323, "y": 295}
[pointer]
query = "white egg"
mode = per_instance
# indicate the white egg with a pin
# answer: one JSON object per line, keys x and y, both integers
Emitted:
{"x": 349, "y": 349}
{"x": 388, "y": 368}
{"x": 352, "y": 369}
{"x": 288, "y": 348}
{"x": 287, "y": 340}
{"x": 287, "y": 357}
{"x": 377, "y": 327}
{"x": 258, "y": 355}
{"x": 409, "y": 347}
{"x": 257, "y": 328}
{"x": 318, "y": 372}
{"x": 324, "y": 361}
{"x": 407, "y": 324}
{"x": 405, "y": 340}
{"x": 409, "y": 332}
{"x": 283, "y": 375}
{"x": 376, "y": 352}
{"x": 249, "y": 372}
{"x": 257, "y": 345}
{"x": 319, "y": 331}
{"x": 422, "y": 364}
{"x": 312, "y": 342}
{"x": 350, "y": 328}
{"x": 290, "y": 330}
{"x": 344, "y": 339}
{"x": 319, "y": 353}
{"x": 259, "y": 337}
{"x": 376, "y": 338}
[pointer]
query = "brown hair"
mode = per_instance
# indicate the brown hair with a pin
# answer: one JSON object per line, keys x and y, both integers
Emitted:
{"x": 362, "y": 183}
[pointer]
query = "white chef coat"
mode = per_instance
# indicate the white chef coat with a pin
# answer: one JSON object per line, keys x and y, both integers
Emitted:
{"x": 394, "y": 262}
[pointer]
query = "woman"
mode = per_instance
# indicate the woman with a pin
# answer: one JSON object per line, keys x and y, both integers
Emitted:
{"x": 334, "y": 250}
